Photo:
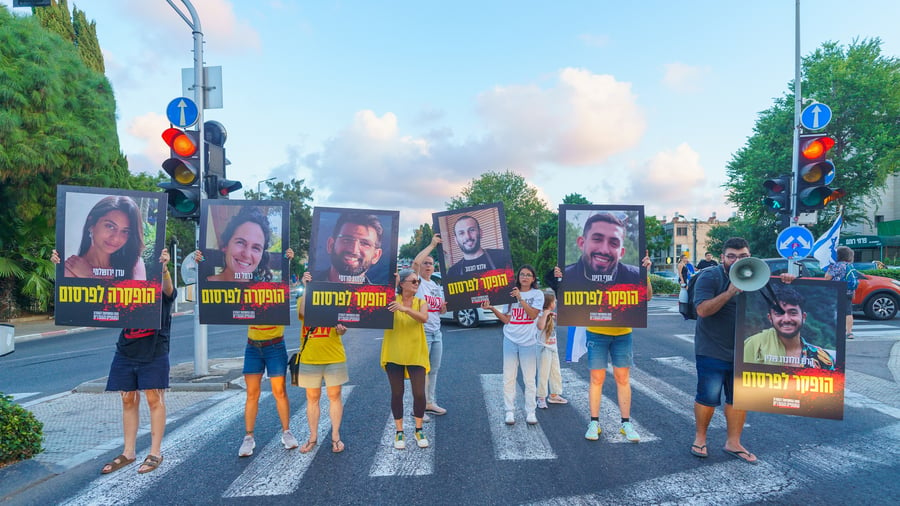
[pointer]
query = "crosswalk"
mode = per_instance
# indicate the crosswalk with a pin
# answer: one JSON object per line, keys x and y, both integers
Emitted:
{"x": 275, "y": 472}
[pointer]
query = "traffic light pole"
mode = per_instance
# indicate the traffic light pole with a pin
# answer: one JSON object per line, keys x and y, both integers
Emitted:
{"x": 794, "y": 267}
{"x": 201, "y": 366}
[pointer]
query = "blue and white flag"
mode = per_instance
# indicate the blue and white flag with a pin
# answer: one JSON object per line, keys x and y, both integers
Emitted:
{"x": 576, "y": 343}
{"x": 825, "y": 249}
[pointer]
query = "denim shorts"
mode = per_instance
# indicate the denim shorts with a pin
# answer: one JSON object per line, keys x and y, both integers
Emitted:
{"x": 271, "y": 359}
{"x": 312, "y": 375}
{"x": 127, "y": 375}
{"x": 601, "y": 347}
{"x": 712, "y": 375}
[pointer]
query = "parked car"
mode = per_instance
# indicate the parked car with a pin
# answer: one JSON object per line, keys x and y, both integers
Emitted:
{"x": 470, "y": 317}
{"x": 877, "y": 296}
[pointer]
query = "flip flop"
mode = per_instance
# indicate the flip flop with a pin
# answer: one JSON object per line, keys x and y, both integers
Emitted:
{"x": 152, "y": 462}
{"x": 741, "y": 455}
{"x": 116, "y": 464}
{"x": 337, "y": 446}
{"x": 308, "y": 446}
{"x": 697, "y": 451}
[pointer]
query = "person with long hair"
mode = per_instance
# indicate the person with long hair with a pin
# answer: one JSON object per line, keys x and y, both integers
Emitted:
{"x": 520, "y": 345}
{"x": 838, "y": 272}
{"x": 548, "y": 355}
{"x": 404, "y": 352}
{"x": 112, "y": 241}
{"x": 245, "y": 248}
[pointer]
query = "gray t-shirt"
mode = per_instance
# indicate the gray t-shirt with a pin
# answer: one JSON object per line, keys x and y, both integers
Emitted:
{"x": 714, "y": 335}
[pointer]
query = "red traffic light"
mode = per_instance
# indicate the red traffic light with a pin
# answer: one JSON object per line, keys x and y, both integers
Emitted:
{"x": 180, "y": 142}
{"x": 816, "y": 147}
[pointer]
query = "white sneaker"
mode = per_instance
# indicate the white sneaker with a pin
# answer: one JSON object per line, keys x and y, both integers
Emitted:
{"x": 557, "y": 399}
{"x": 421, "y": 440}
{"x": 288, "y": 440}
{"x": 510, "y": 418}
{"x": 434, "y": 408}
{"x": 426, "y": 418}
{"x": 593, "y": 431}
{"x": 247, "y": 446}
{"x": 541, "y": 403}
{"x": 629, "y": 432}
{"x": 531, "y": 419}
{"x": 399, "y": 443}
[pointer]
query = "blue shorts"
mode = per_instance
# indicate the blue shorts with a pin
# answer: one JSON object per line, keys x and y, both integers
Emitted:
{"x": 712, "y": 375}
{"x": 127, "y": 375}
{"x": 269, "y": 359}
{"x": 312, "y": 375}
{"x": 601, "y": 347}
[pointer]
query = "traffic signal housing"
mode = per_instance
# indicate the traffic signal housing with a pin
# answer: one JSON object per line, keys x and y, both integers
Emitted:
{"x": 183, "y": 167}
{"x": 778, "y": 195}
{"x": 814, "y": 172}
{"x": 217, "y": 186}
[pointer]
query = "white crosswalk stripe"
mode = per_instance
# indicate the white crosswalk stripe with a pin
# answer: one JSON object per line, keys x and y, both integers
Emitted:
{"x": 413, "y": 461}
{"x": 671, "y": 398}
{"x": 610, "y": 419}
{"x": 512, "y": 442}
{"x": 276, "y": 471}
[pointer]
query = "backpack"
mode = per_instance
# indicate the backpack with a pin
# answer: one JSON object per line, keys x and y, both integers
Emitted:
{"x": 852, "y": 279}
{"x": 687, "y": 309}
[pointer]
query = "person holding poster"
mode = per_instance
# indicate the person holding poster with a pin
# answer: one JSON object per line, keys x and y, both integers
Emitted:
{"x": 322, "y": 359}
{"x": 782, "y": 344}
{"x": 404, "y": 352}
{"x": 602, "y": 246}
{"x": 111, "y": 242}
{"x": 353, "y": 247}
{"x": 141, "y": 363}
{"x": 520, "y": 346}
{"x": 433, "y": 294}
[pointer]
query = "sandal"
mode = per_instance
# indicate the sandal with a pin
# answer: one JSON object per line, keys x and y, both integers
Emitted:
{"x": 116, "y": 464}
{"x": 337, "y": 446}
{"x": 308, "y": 446}
{"x": 151, "y": 463}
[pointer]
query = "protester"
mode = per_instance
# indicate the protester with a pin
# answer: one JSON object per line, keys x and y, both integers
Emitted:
{"x": 433, "y": 294}
{"x": 838, "y": 272}
{"x": 548, "y": 355}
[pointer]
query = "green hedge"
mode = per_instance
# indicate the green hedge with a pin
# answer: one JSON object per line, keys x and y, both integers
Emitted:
{"x": 21, "y": 432}
{"x": 888, "y": 273}
{"x": 663, "y": 286}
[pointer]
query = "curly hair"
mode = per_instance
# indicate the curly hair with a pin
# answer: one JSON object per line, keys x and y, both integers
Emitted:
{"x": 252, "y": 215}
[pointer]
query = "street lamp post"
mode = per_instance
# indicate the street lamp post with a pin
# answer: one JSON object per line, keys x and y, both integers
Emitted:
{"x": 675, "y": 246}
{"x": 259, "y": 185}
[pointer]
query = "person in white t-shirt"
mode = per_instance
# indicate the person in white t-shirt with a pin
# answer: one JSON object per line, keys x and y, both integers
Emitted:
{"x": 433, "y": 294}
{"x": 520, "y": 345}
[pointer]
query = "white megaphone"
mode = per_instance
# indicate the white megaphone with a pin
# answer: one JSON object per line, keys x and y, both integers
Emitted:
{"x": 749, "y": 274}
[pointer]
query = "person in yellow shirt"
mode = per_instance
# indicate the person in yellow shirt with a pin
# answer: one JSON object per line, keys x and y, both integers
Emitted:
{"x": 404, "y": 352}
{"x": 604, "y": 343}
{"x": 322, "y": 359}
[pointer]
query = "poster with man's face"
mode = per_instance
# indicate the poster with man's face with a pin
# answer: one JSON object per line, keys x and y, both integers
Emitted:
{"x": 353, "y": 258}
{"x": 476, "y": 265}
{"x": 243, "y": 278}
{"x": 600, "y": 252}
{"x": 789, "y": 349}
{"x": 109, "y": 242}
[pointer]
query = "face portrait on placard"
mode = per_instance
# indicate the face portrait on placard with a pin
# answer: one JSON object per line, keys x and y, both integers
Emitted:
{"x": 353, "y": 246}
{"x": 243, "y": 243}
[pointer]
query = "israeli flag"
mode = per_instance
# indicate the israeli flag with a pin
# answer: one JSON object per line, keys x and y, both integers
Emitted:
{"x": 825, "y": 249}
{"x": 576, "y": 343}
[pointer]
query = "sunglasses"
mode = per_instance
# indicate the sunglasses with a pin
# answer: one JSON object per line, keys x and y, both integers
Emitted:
{"x": 413, "y": 281}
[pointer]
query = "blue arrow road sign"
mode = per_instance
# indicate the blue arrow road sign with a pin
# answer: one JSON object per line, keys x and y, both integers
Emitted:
{"x": 794, "y": 242}
{"x": 815, "y": 116}
{"x": 182, "y": 112}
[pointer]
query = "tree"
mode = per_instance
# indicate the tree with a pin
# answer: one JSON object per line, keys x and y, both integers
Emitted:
{"x": 862, "y": 86}
{"x": 525, "y": 211}
{"x": 657, "y": 238}
{"x": 299, "y": 196}
{"x": 420, "y": 239}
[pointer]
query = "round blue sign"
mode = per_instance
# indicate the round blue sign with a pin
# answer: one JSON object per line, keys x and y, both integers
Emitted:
{"x": 794, "y": 242}
{"x": 815, "y": 116}
{"x": 182, "y": 112}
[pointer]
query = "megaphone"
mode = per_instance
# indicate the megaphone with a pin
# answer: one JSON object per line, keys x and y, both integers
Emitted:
{"x": 749, "y": 274}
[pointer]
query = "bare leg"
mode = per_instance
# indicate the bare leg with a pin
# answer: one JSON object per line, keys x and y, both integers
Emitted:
{"x": 595, "y": 391}
{"x": 734, "y": 421}
{"x": 623, "y": 390}
{"x": 335, "y": 410}
{"x": 281, "y": 401}
{"x": 252, "y": 405}
{"x": 312, "y": 411}
{"x": 156, "y": 403}
{"x": 702, "y": 416}
{"x": 130, "y": 420}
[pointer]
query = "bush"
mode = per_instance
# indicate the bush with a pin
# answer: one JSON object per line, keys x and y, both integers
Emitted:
{"x": 888, "y": 273}
{"x": 20, "y": 432}
{"x": 662, "y": 286}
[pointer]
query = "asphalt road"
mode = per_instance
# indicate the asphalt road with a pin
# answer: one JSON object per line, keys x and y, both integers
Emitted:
{"x": 475, "y": 459}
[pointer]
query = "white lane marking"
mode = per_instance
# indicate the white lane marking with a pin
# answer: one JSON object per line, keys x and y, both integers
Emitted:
{"x": 127, "y": 486}
{"x": 512, "y": 442}
{"x": 413, "y": 461}
{"x": 688, "y": 338}
{"x": 576, "y": 390}
{"x": 22, "y": 395}
{"x": 669, "y": 397}
{"x": 715, "y": 483}
{"x": 678, "y": 362}
{"x": 276, "y": 471}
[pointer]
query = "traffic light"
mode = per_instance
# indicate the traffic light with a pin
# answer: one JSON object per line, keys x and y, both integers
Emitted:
{"x": 778, "y": 195}
{"x": 183, "y": 167}
{"x": 217, "y": 186}
{"x": 814, "y": 172}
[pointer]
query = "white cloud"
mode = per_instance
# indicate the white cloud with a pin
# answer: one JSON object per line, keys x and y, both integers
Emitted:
{"x": 669, "y": 179}
{"x": 146, "y": 131}
{"x": 685, "y": 78}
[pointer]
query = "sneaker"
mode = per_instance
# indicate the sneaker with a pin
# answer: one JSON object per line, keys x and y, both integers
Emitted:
{"x": 629, "y": 432}
{"x": 399, "y": 443}
{"x": 421, "y": 440}
{"x": 434, "y": 408}
{"x": 557, "y": 399}
{"x": 426, "y": 418}
{"x": 247, "y": 446}
{"x": 593, "y": 432}
{"x": 288, "y": 440}
{"x": 542, "y": 403}
{"x": 531, "y": 419}
{"x": 510, "y": 418}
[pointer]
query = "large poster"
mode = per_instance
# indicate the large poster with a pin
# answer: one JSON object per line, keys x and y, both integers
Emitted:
{"x": 243, "y": 276}
{"x": 476, "y": 265}
{"x": 789, "y": 357}
{"x": 600, "y": 251}
{"x": 353, "y": 259}
{"x": 109, "y": 242}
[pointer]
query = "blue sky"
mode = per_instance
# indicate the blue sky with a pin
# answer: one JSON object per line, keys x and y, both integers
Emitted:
{"x": 398, "y": 105}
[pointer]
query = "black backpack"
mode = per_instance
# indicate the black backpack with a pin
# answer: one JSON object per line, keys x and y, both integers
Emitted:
{"x": 687, "y": 309}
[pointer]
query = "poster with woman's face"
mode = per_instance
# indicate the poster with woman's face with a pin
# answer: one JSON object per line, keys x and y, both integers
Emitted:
{"x": 243, "y": 279}
{"x": 109, "y": 242}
